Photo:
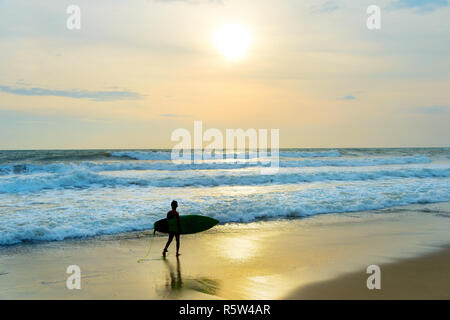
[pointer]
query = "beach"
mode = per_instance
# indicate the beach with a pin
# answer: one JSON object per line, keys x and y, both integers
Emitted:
{"x": 300, "y": 149}
{"x": 318, "y": 257}
{"x": 302, "y": 233}
{"x": 424, "y": 277}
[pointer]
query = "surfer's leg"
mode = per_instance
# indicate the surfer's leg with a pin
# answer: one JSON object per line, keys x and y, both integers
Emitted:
{"x": 168, "y": 243}
{"x": 177, "y": 237}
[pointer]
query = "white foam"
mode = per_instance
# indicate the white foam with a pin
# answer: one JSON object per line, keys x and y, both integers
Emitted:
{"x": 207, "y": 178}
{"x": 99, "y": 166}
{"x": 70, "y": 213}
{"x": 44, "y": 200}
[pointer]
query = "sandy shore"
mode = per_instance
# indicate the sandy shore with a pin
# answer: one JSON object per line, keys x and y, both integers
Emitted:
{"x": 424, "y": 277}
{"x": 324, "y": 256}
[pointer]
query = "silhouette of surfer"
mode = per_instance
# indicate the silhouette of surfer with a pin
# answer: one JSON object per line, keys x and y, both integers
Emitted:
{"x": 173, "y": 214}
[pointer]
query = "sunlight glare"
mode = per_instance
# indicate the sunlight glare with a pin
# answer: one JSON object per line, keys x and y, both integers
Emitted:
{"x": 232, "y": 40}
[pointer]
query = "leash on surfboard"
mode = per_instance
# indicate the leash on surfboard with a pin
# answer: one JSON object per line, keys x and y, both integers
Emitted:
{"x": 148, "y": 252}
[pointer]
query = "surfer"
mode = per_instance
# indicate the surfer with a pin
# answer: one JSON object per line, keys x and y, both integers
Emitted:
{"x": 173, "y": 214}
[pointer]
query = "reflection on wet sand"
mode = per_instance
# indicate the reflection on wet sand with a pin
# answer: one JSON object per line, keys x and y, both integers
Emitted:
{"x": 174, "y": 282}
{"x": 175, "y": 286}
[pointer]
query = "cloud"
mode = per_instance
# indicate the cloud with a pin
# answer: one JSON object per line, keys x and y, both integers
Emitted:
{"x": 349, "y": 97}
{"x": 421, "y": 5}
{"x": 74, "y": 93}
{"x": 326, "y": 7}
{"x": 35, "y": 122}
{"x": 431, "y": 109}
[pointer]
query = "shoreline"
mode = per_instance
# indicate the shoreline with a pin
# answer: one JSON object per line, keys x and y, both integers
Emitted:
{"x": 280, "y": 259}
{"x": 136, "y": 234}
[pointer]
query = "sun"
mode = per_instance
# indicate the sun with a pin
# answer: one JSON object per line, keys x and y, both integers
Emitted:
{"x": 232, "y": 40}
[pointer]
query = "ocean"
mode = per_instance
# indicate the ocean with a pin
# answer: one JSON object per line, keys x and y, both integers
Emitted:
{"x": 51, "y": 195}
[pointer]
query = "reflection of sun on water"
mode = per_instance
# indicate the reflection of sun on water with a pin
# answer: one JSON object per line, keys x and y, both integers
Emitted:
{"x": 239, "y": 249}
{"x": 252, "y": 280}
{"x": 232, "y": 40}
{"x": 270, "y": 287}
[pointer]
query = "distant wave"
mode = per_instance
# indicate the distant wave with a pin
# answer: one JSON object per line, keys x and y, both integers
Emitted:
{"x": 87, "y": 179}
{"x": 142, "y": 155}
{"x": 356, "y": 162}
{"x": 166, "y": 155}
{"x": 310, "y": 154}
{"x": 206, "y": 165}
{"x": 46, "y": 156}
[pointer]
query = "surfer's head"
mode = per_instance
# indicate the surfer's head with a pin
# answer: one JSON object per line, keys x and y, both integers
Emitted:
{"x": 174, "y": 204}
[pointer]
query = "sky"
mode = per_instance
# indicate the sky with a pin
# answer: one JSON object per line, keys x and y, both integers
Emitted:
{"x": 137, "y": 70}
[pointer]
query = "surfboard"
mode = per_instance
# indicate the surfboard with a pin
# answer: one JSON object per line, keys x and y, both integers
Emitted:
{"x": 188, "y": 223}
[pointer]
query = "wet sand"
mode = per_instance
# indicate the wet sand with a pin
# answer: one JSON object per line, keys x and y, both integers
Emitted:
{"x": 425, "y": 277}
{"x": 320, "y": 257}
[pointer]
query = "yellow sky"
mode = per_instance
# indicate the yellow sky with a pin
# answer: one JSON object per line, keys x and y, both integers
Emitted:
{"x": 136, "y": 71}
